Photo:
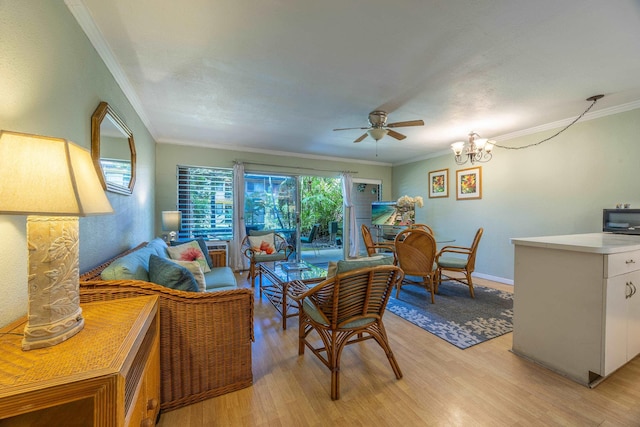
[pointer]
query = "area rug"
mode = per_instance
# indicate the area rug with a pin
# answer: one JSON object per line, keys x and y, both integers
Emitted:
{"x": 456, "y": 317}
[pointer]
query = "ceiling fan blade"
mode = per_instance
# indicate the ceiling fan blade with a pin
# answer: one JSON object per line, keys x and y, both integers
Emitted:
{"x": 396, "y": 135}
{"x": 351, "y": 128}
{"x": 407, "y": 123}
{"x": 364, "y": 135}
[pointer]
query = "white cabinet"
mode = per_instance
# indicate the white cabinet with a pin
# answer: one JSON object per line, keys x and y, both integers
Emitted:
{"x": 576, "y": 309}
{"x": 622, "y": 321}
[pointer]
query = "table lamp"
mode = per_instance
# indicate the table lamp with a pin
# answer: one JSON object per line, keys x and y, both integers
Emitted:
{"x": 171, "y": 223}
{"x": 53, "y": 181}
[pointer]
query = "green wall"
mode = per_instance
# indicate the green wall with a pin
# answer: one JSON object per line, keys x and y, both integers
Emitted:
{"x": 558, "y": 187}
{"x": 51, "y": 81}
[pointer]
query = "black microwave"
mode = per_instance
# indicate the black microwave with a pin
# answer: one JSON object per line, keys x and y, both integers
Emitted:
{"x": 621, "y": 221}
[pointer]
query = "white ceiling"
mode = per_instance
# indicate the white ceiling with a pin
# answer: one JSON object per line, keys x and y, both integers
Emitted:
{"x": 278, "y": 76}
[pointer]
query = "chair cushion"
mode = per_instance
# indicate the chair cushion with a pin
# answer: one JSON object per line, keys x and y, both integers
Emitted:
{"x": 167, "y": 273}
{"x": 189, "y": 251}
{"x": 203, "y": 248}
{"x": 134, "y": 266}
{"x": 220, "y": 278}
{"x": 364, "y": 262}
{"x": 262, "y": 245}
{"x": 278, "y": 256}
{"x": 452, "y": 262}
{"x": 315, "y": 315}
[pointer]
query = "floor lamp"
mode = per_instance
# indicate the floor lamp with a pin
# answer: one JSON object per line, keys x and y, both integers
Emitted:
{"x": 53, "y": 181}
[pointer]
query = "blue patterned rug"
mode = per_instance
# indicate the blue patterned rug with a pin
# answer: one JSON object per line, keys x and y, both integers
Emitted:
{"x": 456, "y": 317}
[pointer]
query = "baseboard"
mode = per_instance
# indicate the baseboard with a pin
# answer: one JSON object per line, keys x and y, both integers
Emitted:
{"x": 494, "y": 278}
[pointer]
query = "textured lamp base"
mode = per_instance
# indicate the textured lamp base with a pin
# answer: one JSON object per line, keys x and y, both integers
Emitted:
{"x": 40, "y": 336}
{"x": 54, "y": 301}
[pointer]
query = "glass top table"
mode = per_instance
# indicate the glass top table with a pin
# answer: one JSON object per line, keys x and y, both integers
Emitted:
{"x": 279, "y": 274}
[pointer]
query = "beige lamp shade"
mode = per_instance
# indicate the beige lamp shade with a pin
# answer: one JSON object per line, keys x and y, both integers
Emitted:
{"x": 48, "y": 176}
{"x": 171, "y": 220}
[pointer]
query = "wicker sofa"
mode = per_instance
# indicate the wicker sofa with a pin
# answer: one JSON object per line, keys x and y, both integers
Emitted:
{"x": 205, "y": 337}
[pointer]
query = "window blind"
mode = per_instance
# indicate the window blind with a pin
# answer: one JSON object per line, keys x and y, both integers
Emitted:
{"x": 205, "y": 198}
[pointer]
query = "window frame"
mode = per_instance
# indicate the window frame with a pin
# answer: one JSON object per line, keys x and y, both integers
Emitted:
{"x": 212, "y": 220}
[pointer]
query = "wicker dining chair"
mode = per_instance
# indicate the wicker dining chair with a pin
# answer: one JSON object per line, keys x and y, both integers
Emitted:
{"x": 415, "y": 255}
{"x": 373, "y": 248}
{"x": 463, "y": 261}
{"x": 424, "y": 227}
{"x": 345, "y": 309}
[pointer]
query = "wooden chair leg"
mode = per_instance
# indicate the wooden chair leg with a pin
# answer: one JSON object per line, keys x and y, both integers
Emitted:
{"x": 302, "y": 330}
{"x": 252, "y": 274}
{"x": 335, "y": 383}
{"x": 383, "y": 341}
{"x": 470, "y": 283}
{"x": 333, "y": 356}
{"x": 432, "y": 290}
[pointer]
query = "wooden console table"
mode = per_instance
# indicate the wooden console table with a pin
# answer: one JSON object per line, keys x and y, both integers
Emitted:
{"x": 106, "y": 375}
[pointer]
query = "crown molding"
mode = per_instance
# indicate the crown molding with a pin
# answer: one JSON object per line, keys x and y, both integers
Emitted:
{"x": 560, "y": 123}
{"x": 274, "y": 152}
{"x": 95, "y": 36}
{"x": 548, "y": 126}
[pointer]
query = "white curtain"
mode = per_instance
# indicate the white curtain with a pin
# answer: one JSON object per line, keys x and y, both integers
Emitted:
{"x": 238, "y": 261}
{"x": 347, "y": 186}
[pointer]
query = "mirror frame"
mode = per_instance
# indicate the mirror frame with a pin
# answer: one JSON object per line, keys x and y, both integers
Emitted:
{"x": 104, "y": 110}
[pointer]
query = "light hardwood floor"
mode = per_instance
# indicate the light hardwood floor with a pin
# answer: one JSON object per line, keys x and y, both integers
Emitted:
{"x": 485, "y": 385}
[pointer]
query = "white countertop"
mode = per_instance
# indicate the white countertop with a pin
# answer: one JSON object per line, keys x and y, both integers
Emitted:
{"x": 600, "y": 243}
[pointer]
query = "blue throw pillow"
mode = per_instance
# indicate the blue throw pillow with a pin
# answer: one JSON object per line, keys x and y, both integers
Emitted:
{"x": 203, "y": 248}
{"x": 169, "y": 274}
{"x": 134, "y": 266}
{"x": 160, "y": 246}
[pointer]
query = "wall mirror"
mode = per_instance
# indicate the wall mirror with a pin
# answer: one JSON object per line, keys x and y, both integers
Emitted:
{"x": 113, "y": 150}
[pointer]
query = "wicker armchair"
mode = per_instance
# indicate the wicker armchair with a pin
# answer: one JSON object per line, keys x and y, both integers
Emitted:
{"x": 283, "y": 250}
{"x": 345, "y": 309}
{"x": 205, "y": 337}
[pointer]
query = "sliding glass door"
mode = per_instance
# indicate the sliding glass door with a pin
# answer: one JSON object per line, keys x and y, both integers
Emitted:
{"x": 271, "y": 204}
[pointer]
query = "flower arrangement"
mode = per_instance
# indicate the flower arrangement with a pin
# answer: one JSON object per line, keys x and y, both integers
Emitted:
{"x": 408, "y": 202}
{"x": 405, "y": 206}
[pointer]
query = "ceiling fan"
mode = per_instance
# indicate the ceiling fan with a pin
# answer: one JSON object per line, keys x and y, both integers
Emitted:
{"x": 379, "y": 127}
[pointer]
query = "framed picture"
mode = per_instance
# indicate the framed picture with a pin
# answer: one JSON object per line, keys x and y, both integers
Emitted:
{"x": 439, "y": 183}
{"x": 469, "y": 183}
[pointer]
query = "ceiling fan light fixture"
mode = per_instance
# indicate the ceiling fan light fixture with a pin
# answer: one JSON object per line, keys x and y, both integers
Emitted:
{"x": 377, "y": 133}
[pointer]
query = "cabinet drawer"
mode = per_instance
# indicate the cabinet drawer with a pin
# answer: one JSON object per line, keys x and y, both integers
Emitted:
{"x": 624, "y": 262}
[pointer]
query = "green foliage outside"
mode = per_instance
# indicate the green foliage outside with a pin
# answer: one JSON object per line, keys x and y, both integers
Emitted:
{"x": 271, "y": 207}
{"x": 321, "y": 202}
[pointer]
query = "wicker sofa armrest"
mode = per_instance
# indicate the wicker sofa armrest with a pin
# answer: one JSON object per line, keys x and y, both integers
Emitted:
{"x": 205, "y": 338}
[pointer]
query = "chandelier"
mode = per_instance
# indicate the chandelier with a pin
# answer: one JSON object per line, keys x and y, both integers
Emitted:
{"x": 478, "y": 149}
